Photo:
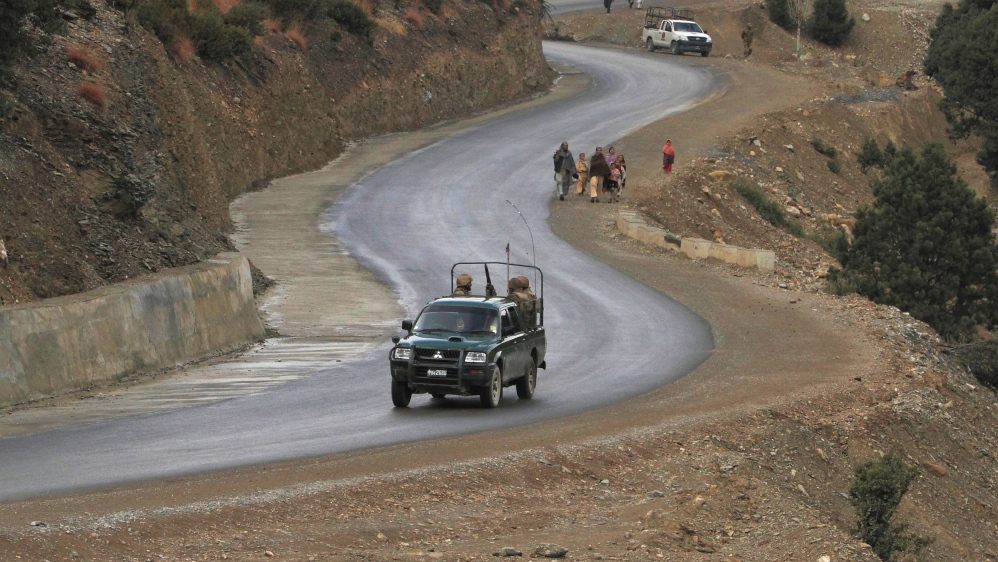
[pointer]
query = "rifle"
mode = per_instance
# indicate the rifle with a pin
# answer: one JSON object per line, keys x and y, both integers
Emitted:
{"x": 490, "y": 291}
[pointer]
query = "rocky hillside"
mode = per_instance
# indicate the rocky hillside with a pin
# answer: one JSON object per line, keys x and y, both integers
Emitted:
{"x": 119, "y": 155}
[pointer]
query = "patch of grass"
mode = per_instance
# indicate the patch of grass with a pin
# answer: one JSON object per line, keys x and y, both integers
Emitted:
{"x": 413, "y": 16}
{"x": 981, "y": 358}
{"x": 83, "y": 59}
{"x": 92, "y": 93}
{"x": 877, "y": 488}
{"x": 295, "y": 34}
{"x": 182, "y": 48}
{"x": 768, "y": 209}
{"x": 833, "y": 165}
{"x": 822, "y": 148}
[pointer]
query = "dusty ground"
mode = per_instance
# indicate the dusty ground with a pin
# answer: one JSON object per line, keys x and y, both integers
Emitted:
{"x": 748, "y": 458}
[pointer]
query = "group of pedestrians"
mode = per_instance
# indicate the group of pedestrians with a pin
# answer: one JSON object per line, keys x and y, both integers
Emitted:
{"x": 606, "y": 174}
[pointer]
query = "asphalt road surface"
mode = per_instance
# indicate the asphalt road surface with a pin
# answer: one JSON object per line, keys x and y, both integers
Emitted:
{"x": 609, "y": 337}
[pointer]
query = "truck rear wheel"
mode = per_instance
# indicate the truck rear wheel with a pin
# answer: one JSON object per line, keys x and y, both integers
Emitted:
{"x": 674, "y": 48}
{"x": 526, "y": 384}
{"x": 401, "y": 394}
{"x": 492, "y": 393}
{"x": 650, "y": 45}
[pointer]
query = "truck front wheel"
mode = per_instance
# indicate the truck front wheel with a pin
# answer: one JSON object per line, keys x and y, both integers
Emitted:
{"x": 650, "y": 45}
{"x": 491, "y": 394}
{"x": 401, "y": 394}
{"x": 674, "y": 48}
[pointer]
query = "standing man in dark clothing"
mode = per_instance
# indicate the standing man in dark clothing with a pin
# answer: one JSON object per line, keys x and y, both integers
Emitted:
{"x": 747, "y": 36}
{"x": 598, "y": 170}
{"x": 607, "y": 4}
{"x": 564, "y": 167}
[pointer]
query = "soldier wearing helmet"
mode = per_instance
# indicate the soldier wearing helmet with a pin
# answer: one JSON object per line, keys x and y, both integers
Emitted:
{"x": 463, "y": 285}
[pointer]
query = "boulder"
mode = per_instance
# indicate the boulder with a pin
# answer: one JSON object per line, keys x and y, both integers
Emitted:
{"x": 549, "y": 550}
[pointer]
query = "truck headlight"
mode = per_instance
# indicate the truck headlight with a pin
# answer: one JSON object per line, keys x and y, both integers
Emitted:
{"x": 683, "y": 38}
{"x": 402, "y": 353}
{"x": 474, "y": 357}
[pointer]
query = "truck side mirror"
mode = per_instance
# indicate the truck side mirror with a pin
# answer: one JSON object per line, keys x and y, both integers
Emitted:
{"x": 407, "y": 325}
{"x": 396, "y": 339}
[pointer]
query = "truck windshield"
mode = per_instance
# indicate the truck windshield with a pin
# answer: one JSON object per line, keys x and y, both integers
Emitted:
{"x": 458, "y": 319}
{"x": 688, "y": 27}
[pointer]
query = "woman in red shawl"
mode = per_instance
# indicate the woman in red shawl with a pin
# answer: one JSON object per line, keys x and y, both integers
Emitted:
{"x": 668, "y": 157}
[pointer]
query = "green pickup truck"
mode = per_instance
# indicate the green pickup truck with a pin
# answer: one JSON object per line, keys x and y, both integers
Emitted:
{"x": 471, "y": 346}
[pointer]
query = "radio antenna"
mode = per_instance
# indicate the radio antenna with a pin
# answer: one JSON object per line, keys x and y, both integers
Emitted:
{"x": 533, "y": 250}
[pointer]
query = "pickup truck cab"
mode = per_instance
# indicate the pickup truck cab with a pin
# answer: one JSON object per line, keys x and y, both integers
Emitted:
{"x": 674, "y": 28}
{"x": 469, "y": 346}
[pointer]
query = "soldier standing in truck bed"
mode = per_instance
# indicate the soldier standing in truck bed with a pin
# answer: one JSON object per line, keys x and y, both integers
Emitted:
{"x": 526, "y": 300}
{"x": 463, "y": 285}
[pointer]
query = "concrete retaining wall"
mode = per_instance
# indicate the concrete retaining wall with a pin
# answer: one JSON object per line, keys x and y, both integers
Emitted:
{"x": 631, "y": 224}
{"x": 68, "y": 343}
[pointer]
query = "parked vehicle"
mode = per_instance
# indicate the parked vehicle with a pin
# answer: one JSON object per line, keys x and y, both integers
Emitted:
{"x": 474, "y": 345}
{"x": 676, "y": 29}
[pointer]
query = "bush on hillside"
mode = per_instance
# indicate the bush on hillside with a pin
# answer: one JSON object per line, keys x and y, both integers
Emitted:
{"x": 434, "y": 5}
{"x": 876, "y": 491}
{"x": 768, "y": 209}
{"x": 17, "y": 16}
{"x": 352, "y": 17}
{"x": 870, "y": 156}
{"x": 165, "y": 18}
{"x": 833, "y": 165}
{"x": 779, "y": 13}
{"x": 830, "y": 22}
{"x": 215, "y": 40}
{"x": 248, "y": 16}
{"x": 822, "y": 148}
{"x": 961, "y": 57}
{"x": 925, "y": 246}
{"x": 981, "y": 359}
{"x": 296, "y": 10}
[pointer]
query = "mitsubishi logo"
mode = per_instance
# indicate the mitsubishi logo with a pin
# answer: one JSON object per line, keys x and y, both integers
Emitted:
{"x": 438, "y": 355}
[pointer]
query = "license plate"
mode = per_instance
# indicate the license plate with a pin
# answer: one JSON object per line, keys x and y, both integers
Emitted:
{"x": 436, "y": 373}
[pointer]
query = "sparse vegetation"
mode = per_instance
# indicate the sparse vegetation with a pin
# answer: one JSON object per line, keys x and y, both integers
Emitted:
{"x": 17, "y": 17}
{"x": 961, "y": 57}
{"x": 289, "y": 11}
{"x": 215, "y": 40}
{"x": 822, "y": 148}
{"x": 833, "y": 165}
{"x": 294, "y": 33}
{"x": 832, "y": 240}
{"x": 876, "y": 492}
{"x": 830, "y": 22}
{"x": 768, "y": 209}
{"x": 413, "y": 16}
{"x": 981, "y": 358}
{"x": 352, "y": 17}
{"x": 248, "y": 16}
{"x": 925, "y": 246}
{"x": 214, "y": 35}
{"x": 182, "y": 48}
{"x": 434, "y": 5}
{"x": 92, "y": 93}
{"x": 83, "y": 59}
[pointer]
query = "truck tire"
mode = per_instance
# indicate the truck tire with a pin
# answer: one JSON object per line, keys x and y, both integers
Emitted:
{"x": 650, "y": 45}
{"x": 526, "y": 384}
{"x": 401, "y": 394}
{"x": 705, "y": 53}
{"x": 492, "y": 393}
{"x": 674, "y": 48}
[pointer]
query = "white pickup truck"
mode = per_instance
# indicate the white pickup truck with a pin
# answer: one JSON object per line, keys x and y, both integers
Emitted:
{"x": 674, "y": 28}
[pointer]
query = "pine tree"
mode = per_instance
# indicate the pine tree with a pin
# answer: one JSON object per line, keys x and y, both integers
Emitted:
{"x": 926, "y": 246}
{"x": 870, "y": 156}
{"x": 963, "y": 58}
{"x": 779, "y": 13}
{"x": 831, "y": 23}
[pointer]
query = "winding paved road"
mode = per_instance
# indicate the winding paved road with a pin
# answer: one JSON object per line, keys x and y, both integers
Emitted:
{"x": 610, "y": 338}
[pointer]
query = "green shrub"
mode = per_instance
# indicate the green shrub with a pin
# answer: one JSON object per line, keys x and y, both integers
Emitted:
{"x": 890, "y": 151}
{"x": 830, "y": 22}
{"x": 779, "y": 13}
{"x": 769, "y": 210}
{"x": 832, "y": 240}
{"x": 870, "y": 156}
{"x": 165, "y": 18}
{"x": 292, "y": 10}
{"x": 926, "y": 246}
{"x": 981, "y": 359}
{"x": 352, "y": 17}
{"x": 217, "y": 41}
{"x": 822, "y": 148}
{"x": 833, "y": 165}
{"x": 248, "y": 16}
{"x": 434, "y": 5}
{"x": 877, "y": 488}
{"x": 961, "y": 57}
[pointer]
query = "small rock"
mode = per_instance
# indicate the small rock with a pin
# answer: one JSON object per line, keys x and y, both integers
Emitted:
{"x": 866, "y": 17}
{"x": 800, "y": 488}
{"x": 800, "y": 176}
{"x": 779, "y": 170}
{"x": 705, "y": 190}
{"x": 783, "y": 285}
{"x": 658, "y": 494}
{"x": 789, "y": 147}
{"x": 565, "y": 469}
{"x": 700, "y": 500}
{"x": 549, "y": 550}
{"x": 793, "y": 211}
{"x": 751, "y": 153}
{"x": 825, "y": 558}
{"x": 716, "y": 213}
{"x": 382, "y": 537}
{"x": 39, "y": 524}
{"x": 604, "y": 481}
{"x": 510, "y": 551}
{"x": 934, "y": 468}
{"x": 268, "y": 554}
{"x": 757, "y": 142}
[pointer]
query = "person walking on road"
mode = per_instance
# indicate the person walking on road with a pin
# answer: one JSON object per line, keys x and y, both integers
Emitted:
{"x": 668, "y": 157}
{"x": 611, "y": 156}
{"x": 598, "y": 170}
{"x": 607, "y": 4}
{"x": 623, "y": 173}
{"x": 582, "y": 169}
{"x": 564, "y": 167}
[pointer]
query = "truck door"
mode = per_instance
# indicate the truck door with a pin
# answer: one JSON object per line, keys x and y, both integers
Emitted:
{"x": 664, "y": 37}
{"x": 513, "y": 344}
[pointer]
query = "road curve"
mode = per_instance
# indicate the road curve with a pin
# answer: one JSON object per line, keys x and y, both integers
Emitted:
{"x": 609, "y": 337}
